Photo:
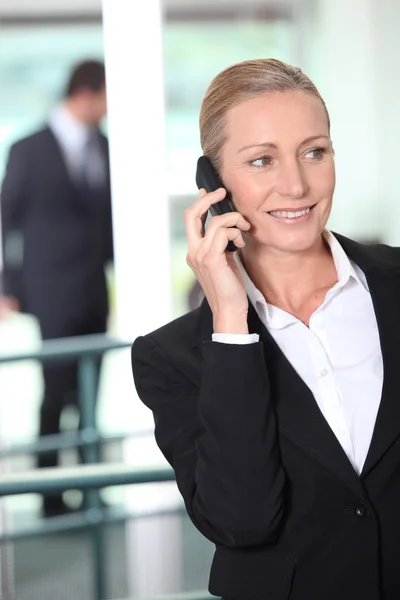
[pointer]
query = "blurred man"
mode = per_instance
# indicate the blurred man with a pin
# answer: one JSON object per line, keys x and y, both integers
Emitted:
{"x": 57, "y": 234}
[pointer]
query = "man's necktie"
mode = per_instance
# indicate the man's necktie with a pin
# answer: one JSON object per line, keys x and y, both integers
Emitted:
{"x": 93, "y": 171}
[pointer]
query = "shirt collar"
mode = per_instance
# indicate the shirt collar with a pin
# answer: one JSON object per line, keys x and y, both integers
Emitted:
{"x": 345, "y": 268}
{"x": 276, "y": 318}
{"x": 67, "y": 127}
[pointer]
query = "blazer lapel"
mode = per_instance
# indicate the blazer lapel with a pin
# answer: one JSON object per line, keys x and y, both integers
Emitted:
{"x": 385, "y": 293}
{"x": 298, "y": 415}
{"x": 383, "y": 276}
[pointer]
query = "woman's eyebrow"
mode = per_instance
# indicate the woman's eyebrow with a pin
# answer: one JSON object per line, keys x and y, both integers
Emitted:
{"x": 274, "y": 146}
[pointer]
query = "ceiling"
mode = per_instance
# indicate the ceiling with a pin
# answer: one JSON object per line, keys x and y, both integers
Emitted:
{"x": 21, "y": 8}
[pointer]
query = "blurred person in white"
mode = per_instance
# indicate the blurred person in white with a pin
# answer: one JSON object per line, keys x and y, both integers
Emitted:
{"x": 57, "y": 235}
{"x": 277, "y": 401}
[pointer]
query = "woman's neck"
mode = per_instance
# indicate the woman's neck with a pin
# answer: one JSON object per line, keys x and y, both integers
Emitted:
{"x": 291, "y": 279}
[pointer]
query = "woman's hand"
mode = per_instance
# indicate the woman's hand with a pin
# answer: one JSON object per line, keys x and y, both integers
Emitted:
{"x": 214, "y": 267}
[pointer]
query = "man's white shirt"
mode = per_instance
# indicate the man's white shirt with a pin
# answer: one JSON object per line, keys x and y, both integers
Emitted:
{"x": 81, "y": 157}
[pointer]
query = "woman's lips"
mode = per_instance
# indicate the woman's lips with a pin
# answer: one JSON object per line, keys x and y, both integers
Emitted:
{"x": 292, "y": 217}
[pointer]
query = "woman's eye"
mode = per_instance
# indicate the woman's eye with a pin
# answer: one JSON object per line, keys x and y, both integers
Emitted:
{"x": 316, "y": 153}
{"x": 263, "y": 161}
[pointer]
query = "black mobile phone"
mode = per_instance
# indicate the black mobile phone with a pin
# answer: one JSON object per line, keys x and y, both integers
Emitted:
{"x": 207, "y": 178}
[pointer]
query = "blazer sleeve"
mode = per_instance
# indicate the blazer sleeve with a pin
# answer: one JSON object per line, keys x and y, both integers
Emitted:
{"x": 13, "y": 199}
{"x": 221, "y": 439}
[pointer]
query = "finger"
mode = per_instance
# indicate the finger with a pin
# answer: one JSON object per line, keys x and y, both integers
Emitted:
{"x": 228, "y": 220}
{"x": 205, "y": 200}
{"x": 196, "y": 215}
{"x": 214, "y": 196}
{"x": 217, "y": 247}
{"x": 231, "y": 219}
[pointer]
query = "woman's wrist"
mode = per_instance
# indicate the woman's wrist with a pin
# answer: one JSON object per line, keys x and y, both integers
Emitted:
{"x": 236, "y": 324}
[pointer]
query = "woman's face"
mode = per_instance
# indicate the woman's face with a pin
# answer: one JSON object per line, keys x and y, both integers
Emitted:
{"x": 278, "y": 164}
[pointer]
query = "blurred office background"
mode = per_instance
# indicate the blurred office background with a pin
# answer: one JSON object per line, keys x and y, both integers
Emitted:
{"x": 350, "y": 50}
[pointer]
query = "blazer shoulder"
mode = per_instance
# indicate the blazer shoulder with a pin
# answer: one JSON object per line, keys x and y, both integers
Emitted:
{"x": 32, "y": 141}
{"x": 383, "y": 256}
{"x": 179, "y": 333}
{"x": 170, "y": 350}
{"x": 380, "y": 255}
{"x": 389, "y": 253}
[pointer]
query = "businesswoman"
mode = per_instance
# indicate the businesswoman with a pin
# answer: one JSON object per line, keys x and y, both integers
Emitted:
{"x": 277, "y": 402}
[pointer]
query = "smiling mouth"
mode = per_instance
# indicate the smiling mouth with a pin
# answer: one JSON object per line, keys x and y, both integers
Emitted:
{"x": 291, "y": 214}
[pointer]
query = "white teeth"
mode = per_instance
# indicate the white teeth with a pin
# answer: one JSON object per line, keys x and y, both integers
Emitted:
{"x": 289, "y": 215}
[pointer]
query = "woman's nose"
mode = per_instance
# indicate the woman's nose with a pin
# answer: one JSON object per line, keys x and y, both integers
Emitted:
{"x": 292, "y": 181}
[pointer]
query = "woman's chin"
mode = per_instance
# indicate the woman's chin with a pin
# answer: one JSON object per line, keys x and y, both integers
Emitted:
{"x": 294, "y": 241}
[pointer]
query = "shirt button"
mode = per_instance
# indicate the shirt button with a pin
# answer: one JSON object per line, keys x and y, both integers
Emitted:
{"x": 323, "y": 373}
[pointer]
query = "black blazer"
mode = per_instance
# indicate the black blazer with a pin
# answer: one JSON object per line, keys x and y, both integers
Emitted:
{"x": 261, "y": 472}
{"x": 56, "y": 238}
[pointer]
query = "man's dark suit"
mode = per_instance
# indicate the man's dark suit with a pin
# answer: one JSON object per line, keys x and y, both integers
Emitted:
{"x": 57, "y": 238}
{"x": 261, "y": 472}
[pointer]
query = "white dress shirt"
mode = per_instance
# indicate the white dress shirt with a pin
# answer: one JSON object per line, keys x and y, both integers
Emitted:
{"x": 338, "y": 356}
{"x": 82, "y": 158}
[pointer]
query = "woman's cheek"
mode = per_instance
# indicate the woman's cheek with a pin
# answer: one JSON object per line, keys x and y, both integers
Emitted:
{"x": 248, "y": 200}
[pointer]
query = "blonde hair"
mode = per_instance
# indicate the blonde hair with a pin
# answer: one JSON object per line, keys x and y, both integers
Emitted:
{"x": 243, "y": 81}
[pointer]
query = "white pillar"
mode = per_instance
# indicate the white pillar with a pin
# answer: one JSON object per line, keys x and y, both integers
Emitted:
{"x": 136, "y": 124}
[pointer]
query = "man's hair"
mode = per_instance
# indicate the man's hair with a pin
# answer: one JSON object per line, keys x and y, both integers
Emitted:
{"x": 89, "y": 75}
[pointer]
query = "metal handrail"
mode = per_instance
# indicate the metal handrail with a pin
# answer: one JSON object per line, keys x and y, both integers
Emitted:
{"x": 71, "y": 347}
{"x": 90, "y": 477}
{"x": 70, "y": 439}
{"x": 196, "y": 595}
{"x": 85, "y": 350}
{"x": 83, "y": 477}
{"x": 84, "y": 519}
